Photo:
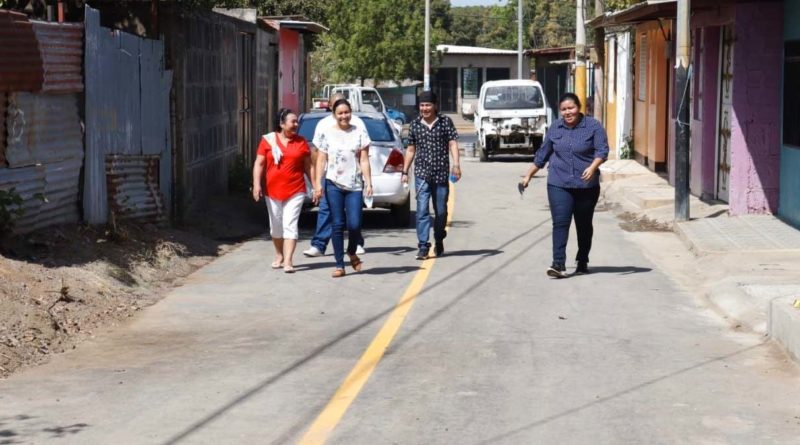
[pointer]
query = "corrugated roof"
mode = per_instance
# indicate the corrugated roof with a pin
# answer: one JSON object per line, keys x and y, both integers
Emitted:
{"x": 21, "y": 69}
{"x": 297, "y": 23}
{"x": 640, "y": 12}
{"x": 456, "y": 49}
{"x": 61, "y": 46}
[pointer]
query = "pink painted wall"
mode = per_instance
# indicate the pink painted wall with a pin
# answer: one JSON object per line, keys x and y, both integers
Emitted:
{"x": 755, "y": 153}
{"x": 289, "y": 60}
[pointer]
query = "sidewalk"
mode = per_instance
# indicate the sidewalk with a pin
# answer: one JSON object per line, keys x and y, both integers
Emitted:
{"x": 463, "y": 126}
{"x": 745, "y": 266}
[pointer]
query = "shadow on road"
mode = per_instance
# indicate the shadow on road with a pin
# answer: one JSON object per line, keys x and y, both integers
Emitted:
{"x": 621, "y": 270}
{"x": 480, "y": 252}
{"x": 200, "y": 424}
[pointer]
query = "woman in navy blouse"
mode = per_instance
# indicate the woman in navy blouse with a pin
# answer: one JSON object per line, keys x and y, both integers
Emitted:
{"x": 574, "y": 146}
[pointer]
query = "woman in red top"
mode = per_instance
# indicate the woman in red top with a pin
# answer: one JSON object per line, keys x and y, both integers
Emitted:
{"x": 287, "y": 157}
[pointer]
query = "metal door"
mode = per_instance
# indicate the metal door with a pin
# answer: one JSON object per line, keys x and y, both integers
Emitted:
{"x": 725, "y": 114}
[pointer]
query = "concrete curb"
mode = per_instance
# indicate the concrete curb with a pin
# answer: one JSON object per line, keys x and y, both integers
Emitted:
{"x": 758, "y": 289}
{"x": 784, "y": 325}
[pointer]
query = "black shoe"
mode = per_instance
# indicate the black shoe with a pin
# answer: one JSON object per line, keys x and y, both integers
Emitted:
{"x": 439, "y": 249}
{"x": 423, "y": 253}
{"x": 582, "y": 268}
{"x": 557, "y": 271}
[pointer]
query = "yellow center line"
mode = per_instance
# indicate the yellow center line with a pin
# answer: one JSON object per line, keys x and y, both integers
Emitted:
{"x": 333, "y": 412}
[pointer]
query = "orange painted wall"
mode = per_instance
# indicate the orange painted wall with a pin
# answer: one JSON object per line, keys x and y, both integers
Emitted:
{"x": 651, "y": 94}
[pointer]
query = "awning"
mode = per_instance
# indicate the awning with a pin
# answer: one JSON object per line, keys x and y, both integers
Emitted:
{"x": 297, "y": 23}
{"x": 640, "y": 12}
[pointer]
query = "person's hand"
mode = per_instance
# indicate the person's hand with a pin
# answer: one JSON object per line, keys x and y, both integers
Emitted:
{"x": 317, "y": 195}
{"x": 525, "y": 181}
{"x": 404, "y": 178}
{"x": 457, "y": 171}
{"x": 257, "y": 194}
{"x": 368, "y": 190}
{"x": 588, "y": 174}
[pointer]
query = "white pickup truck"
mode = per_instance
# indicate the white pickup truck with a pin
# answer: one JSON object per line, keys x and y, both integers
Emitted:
{"x": 512, "y": 117}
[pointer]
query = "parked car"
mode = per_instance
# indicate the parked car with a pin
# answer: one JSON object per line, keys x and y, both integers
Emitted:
{"x": 386, "y": 154}
{"x": 512, "y": 116}
{"x": 397, "y": 116}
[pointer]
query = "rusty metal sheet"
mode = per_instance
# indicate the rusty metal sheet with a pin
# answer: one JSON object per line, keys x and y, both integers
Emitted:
{"x": 61, "y": 47}
{"x": 42, "y": 128}
{"x": 18, "y": 43}
{"x": 28, "y": 182}
{"x": 133, "y": 189}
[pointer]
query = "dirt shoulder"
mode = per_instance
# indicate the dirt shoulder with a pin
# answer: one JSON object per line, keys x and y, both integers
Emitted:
{"x": 63, "y": 285}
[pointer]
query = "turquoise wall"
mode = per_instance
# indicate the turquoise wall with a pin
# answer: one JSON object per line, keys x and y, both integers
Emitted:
{"x": 789, "y": 205}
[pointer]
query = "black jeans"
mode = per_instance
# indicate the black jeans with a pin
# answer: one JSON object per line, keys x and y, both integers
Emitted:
{"x": 566, "y": 204}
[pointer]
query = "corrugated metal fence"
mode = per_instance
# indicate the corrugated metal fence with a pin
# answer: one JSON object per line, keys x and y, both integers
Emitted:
{"x": 41, "y": 154}
{"x": 127, "y": 120}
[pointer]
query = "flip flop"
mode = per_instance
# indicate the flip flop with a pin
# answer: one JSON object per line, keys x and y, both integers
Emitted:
{"x": 288, "y": 269}
{"x": 277, "y": 265}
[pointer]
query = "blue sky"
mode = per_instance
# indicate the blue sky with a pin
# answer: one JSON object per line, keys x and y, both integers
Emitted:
{"x": 476, "y": 2}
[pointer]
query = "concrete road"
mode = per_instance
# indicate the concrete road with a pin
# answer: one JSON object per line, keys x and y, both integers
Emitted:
{"x": 488, "y": 351}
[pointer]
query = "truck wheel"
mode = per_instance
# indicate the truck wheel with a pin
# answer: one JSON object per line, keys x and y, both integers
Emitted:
{"x": 483, "y": 156}
{"x": 401, "y": 213}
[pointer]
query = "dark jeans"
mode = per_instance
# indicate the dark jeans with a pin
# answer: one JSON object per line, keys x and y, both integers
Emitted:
{"x": 566, "y": 204}
{"x": 324, "y": 228}
{"x": 345, "y": 207}
{"x": 427, "y": 192}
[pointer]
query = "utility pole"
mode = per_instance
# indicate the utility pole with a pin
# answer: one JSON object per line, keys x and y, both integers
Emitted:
{"x": 599, "y": 66}
{"x": 580, "y": 55}
{"x": 519, "y": 40}
{"x": 683, "y": 81}
{"x": 426, "y": 85}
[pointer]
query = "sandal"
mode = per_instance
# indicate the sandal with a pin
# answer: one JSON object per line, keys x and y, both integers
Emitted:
{"x": 338, "y": 273}
{"x": 356, "y": 262}
{"x": 277, "y": 264}
{"x": 288, "y": 269}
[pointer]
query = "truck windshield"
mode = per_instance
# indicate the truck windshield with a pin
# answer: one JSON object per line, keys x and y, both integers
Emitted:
{"x": 514, "y": 97}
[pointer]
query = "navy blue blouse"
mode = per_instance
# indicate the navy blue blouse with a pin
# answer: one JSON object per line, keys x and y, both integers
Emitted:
{"x": 570, "y": 151}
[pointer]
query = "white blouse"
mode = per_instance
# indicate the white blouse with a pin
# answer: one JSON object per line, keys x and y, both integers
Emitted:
{"x": 343, "y": 148}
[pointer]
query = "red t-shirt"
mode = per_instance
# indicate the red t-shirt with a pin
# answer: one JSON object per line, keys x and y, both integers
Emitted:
{"x": 285, "y": 179}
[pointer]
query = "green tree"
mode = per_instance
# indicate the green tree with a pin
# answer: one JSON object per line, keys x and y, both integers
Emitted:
{"x": 382, "y": 39}
{"x": 500, "y": 27}
{"x": 468, "y": 23}
{"x": 551, "y": 23}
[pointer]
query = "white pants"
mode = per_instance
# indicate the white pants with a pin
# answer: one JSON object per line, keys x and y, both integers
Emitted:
{"x": 283, "y": 216}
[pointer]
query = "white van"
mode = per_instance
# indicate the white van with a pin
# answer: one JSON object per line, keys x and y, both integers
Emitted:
{"x": 511, "y": 117}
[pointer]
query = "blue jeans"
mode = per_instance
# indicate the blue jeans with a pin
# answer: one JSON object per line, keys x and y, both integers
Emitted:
{"x": 322, "y": 233}
{"x": 427, "y": 192}
{"x": 345, "y": 207}
{"x": 566, "y": 204}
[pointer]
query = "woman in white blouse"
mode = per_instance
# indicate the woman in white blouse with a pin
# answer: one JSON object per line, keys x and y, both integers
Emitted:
{"x": 345, "y": 181}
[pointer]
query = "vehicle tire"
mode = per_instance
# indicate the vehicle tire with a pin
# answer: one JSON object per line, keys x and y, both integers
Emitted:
{"x": 482, "y": 155}
{"x": 401, "y": 213}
